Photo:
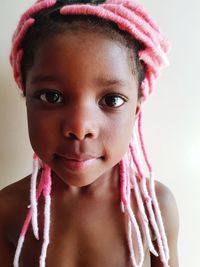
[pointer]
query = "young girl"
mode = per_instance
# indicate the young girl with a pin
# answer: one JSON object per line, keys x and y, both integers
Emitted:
{"x": 85, "y": 69}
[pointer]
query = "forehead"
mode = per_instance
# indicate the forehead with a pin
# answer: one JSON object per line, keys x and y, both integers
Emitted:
{"x": 88, "y": 55}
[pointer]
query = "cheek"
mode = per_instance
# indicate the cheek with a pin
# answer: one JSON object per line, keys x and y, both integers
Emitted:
{"x": 43, "y": 132}
{"x": 119, "y": 133}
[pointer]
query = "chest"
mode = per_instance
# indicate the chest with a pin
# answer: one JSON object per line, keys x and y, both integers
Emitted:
{"x": 93, "y": 236}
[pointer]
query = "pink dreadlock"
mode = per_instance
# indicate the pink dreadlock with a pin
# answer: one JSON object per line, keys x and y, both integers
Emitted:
{"x": 132, "y": 18}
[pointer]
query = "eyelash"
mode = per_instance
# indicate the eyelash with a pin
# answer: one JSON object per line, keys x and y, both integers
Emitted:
{"x": 48, "y": 93}
{"x": 113, "y": 96}
{"x": 102, "y": 102}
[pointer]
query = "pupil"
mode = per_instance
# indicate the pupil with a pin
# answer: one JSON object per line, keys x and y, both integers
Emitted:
{"x": 52, "y": 97}
{"x": 111, "y": 100}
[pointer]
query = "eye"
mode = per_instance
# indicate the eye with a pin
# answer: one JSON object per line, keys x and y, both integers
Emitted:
{"x": 113, "y": 101}
{"x": 50, "y": 97}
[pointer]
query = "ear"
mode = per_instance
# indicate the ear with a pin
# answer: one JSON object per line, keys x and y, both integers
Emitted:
{"x": 138, "y": 108}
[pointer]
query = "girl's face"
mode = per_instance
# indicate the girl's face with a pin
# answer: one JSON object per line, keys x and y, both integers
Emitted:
{"x": 81, "y": 105}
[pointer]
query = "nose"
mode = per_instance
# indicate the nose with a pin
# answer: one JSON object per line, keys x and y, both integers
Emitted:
{"x": 80, "y": 123}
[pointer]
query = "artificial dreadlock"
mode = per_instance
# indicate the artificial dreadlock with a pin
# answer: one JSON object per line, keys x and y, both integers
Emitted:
{"x": 130, "y": 18}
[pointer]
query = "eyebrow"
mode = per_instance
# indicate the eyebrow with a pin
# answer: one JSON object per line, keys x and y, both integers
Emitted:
{"x": 110, "y": 81}
{"x": 105, "y": 81}
{"x": 44, "y": 78}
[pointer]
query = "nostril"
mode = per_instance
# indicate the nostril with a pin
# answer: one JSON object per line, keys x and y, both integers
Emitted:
{"x": 79, "y": 137}
{"x": 72, "y": 136}
{"x": 90, "y": 135}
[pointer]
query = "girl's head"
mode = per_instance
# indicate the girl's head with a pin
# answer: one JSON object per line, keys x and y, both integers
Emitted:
{"x": 81, "y": 87}
{"x": 66, "y": 53}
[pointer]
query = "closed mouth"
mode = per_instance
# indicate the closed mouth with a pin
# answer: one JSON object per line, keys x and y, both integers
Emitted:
{"x": 77, "y": 157}
{"x": 77, "y": 162}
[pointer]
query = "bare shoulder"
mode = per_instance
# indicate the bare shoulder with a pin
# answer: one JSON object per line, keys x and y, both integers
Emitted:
{"x": 13, "y": 199}
{"x": 170, "y": 216}
{"x": 168, "y": 207}
{"x": 13, "y": 195}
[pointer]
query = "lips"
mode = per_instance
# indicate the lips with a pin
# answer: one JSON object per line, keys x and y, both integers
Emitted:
{"x": 77, "y": 162}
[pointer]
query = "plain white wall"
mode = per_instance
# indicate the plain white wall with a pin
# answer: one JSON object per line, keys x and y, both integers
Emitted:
{"x": 171, "y": 116}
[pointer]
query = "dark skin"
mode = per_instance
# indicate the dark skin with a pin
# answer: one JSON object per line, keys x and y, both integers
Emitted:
{"x": 80, "y": 120}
